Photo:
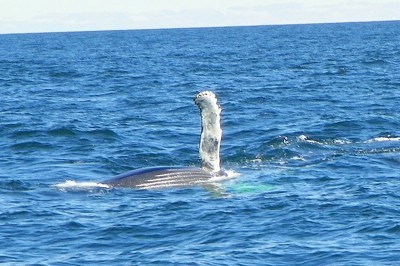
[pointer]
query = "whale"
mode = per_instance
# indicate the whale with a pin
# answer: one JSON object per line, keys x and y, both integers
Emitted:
{"x": 160, "y": 177}
{"x": 182, "y": 176}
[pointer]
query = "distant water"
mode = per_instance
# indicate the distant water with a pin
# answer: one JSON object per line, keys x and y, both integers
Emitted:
{"x": 311, "y": 122}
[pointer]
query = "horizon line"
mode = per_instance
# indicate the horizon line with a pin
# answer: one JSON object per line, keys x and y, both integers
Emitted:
{"x": 201, "y": 27}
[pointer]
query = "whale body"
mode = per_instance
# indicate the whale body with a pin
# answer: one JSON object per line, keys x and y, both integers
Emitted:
{"x": 161, "y": 177}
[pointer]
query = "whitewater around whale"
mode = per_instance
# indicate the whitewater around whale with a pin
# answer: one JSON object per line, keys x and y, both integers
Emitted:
{"x": 209, "y": 152}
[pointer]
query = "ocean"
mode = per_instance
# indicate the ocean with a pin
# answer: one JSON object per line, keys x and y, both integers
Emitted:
{"x": 311, "y": 129}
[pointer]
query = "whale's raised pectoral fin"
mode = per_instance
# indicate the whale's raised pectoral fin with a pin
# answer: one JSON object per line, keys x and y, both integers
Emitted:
{"x": 211, "y": 132}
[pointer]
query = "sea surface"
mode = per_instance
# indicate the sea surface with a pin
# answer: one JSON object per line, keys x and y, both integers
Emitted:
{"x": 311, "y": 127}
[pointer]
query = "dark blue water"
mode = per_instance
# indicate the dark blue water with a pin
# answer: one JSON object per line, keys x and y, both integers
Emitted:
{"x": 311, "y": 121}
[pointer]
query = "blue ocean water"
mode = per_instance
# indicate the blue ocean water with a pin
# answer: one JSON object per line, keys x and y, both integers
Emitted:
{"x": 311, "y": 122}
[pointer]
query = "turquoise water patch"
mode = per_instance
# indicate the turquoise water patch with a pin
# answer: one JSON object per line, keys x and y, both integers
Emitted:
{"x": 242, "y": 187}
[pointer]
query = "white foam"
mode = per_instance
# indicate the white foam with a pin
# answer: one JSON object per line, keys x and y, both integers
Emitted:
{"x": 256, "y": 160}
{"x": 302, "y": 138}
{"x": 341, "y": 141}
{"x": 383, "y": 139}
{"x": 298, "y": 158}
{"x": 306, "y": 139}
{"x": 71, "y": 184}
{"x": 230, "y": 174}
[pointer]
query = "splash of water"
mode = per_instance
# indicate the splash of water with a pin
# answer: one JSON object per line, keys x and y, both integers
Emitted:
{"x": 71, "y": 184}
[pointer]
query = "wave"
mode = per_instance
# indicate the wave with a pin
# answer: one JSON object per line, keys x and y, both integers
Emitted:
{"x": 15, "y": 185}
{"x": 31, "y": 145}
{"x": 300, "y": 150}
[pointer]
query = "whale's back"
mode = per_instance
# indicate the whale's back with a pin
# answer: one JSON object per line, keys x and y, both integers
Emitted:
{"x": 160, "y": 177}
